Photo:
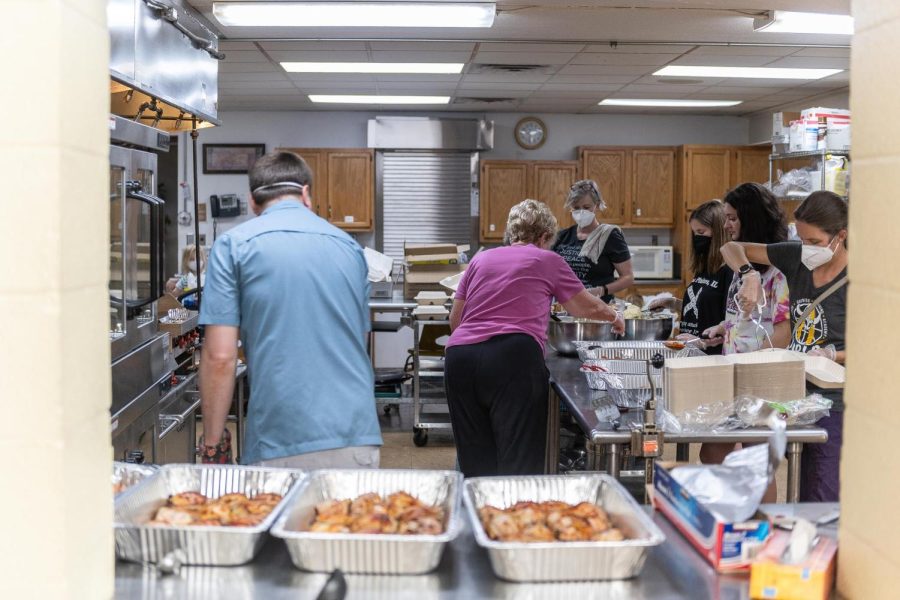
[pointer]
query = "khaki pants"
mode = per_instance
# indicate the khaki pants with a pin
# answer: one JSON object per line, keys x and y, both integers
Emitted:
{"x": 352, "y": 457}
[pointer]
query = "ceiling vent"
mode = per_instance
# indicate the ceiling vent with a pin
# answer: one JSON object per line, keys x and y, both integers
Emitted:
{"x": 502, "y": 68}
{"x": 471, "y": 100}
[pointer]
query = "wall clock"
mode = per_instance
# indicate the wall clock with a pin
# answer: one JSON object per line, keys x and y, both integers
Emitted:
{"x": 530, "y": 133}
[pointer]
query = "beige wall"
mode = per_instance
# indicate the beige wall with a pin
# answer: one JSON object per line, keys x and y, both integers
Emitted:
{"x": 869, "y": 559}
{"x": 55, "y": 535}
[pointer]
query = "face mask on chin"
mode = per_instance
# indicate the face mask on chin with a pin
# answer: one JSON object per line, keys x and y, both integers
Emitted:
{"x": 813, "y": 257}
{"x": 583, "y": 217}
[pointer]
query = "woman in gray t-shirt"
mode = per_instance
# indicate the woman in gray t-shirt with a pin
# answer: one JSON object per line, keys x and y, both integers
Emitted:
{"x": 811, "y": 267}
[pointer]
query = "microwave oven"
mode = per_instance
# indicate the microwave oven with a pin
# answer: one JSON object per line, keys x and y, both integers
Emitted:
{"x": 652, "y": 262}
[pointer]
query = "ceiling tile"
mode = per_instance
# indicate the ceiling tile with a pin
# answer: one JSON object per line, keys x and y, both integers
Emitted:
{"x": 312, "y": 46}
{"x": 424, "y": 78}
{"x": 423, "y": 46}
{"x": 244, "y": 56}
{"x": 619, "y": 59}
{"x": 640, "y": 48}
{"x": 824, "y": 52}
{"x": 424, "y": 89}
{"x": 247, "y": 67}
{"x": 492, "y": 93}
{"x": 338, "y": 88}
{"x": 469, "y": 86}
{"x": 588, "y": 70}
{"x": 524, "y": 58}
{"x": 580, "y": 87}
{"x": 527, "y": 47}
{"x": 598, "y": 79}
{"x": 230, "y": 84}
{"x": 420, "y": 57}
{"x": 744, "y": 51}
{"x": 499, "y": 77}
{"x": 319, "y": 56}
{"x": 811, "y": 62}
{"x": 685, "y": 82}
{"x": 723, "y": 61}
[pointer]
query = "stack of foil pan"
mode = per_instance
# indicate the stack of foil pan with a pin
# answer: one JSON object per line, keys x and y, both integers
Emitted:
{"x": 136, "y": 540}
{"x": 564, "y": 561}
{"x": 369, "y": 553}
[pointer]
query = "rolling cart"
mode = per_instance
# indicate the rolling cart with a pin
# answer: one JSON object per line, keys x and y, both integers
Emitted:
{"x": 428, "y": 379}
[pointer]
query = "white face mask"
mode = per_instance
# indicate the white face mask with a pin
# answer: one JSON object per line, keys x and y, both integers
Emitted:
{"x": 582, "y": 217}
{"x": 813, "y": 257}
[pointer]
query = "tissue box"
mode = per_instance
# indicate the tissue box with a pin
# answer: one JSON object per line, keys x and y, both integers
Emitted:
{"x": 811, "y": 579}
{"x": 726, "y": 546}
{"x": 769, "y": 374}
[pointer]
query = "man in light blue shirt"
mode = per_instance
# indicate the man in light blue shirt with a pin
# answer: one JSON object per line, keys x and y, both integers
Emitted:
{"x": 294, "y": 288}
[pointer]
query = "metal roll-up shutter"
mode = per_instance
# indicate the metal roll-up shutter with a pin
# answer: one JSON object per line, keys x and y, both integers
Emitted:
{"x": 426, "y": 197}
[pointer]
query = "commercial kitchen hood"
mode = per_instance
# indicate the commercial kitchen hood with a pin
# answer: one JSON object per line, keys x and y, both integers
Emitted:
{"x": 429, "y": 133}
{"x": 164, "y": 63}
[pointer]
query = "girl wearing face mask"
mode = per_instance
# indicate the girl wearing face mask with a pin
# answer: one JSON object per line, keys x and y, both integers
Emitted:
{"x": 704, "y": 299}
{"x": 816, "y": 270}
{"x": 596, "y": 252}
{"x": 187, "y": 280}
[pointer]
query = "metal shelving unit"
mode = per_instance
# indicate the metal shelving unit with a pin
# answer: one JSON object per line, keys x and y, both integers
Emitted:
{"x": 428, "y": 387}
{"x": 818, "y": 154}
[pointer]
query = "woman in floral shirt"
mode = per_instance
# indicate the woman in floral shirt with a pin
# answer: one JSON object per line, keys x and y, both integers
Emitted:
{"x": 752, "y": 214}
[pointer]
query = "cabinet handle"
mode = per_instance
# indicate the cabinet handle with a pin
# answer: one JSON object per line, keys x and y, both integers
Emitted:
{"x": 330, "y": 214}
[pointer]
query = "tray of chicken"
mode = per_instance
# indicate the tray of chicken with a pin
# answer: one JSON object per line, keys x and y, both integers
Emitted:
{"x": 201, "y": 514}
{"x": 560, "y": 527}
{"x": 372, "y": 521}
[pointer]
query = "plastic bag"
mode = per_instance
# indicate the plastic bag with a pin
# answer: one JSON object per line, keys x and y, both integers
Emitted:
{"x": 744, "y": 412}
{"x": 734, "y": 489}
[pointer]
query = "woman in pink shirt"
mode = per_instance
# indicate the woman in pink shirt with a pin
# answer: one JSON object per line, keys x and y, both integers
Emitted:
{"x": 496, "y": 380}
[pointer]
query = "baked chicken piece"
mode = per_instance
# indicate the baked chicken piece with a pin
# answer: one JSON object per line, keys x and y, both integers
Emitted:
{"x": 399, "y": 513}
{"x": 187, "y": 499}
{"x": 549, "y": 521}
{"x": 233, "y": 510}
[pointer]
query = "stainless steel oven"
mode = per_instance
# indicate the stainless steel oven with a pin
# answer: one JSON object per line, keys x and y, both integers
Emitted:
{"x": 177, "y": 426}
{"x": 142, "y": 362}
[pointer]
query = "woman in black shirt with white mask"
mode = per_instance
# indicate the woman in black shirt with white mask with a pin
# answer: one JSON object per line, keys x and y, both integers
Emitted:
{"x": 596, "y": 252}
{"x": 705, "y": 297}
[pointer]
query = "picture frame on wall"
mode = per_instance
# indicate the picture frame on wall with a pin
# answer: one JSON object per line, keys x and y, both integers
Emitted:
{"x": 230, "y": 159}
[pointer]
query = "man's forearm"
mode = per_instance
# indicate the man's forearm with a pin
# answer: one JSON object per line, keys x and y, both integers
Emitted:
{"x": 216, "y": 392}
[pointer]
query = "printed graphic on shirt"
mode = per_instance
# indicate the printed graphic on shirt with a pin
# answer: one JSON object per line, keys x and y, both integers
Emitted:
{"x": 814, "y": 330}
{"x": 691, "y": 308}
{"x": 572, "y": 255}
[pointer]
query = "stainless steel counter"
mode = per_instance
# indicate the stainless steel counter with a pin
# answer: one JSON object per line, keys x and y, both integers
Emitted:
{"x": 673, "y": 570}
{"x": 396, "y": 303}
{"x": 595, "y": 414}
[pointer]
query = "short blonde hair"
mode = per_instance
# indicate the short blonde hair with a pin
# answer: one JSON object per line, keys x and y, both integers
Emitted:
{"x": 189, "y": 261}
{"x": 528, "y": 222}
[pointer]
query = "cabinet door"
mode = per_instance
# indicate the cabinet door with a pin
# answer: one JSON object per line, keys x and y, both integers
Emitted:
{"x": 317, "y": 160}
{"x": 750, "y": 164}
{"x": 653, "y": 187}
{"x": 551, "y": 183}
{"x": 707, "y": 173}
{"x": 504, "y": 183}
{"x": 609, "y": 168}
{"x": 350, "y": 190}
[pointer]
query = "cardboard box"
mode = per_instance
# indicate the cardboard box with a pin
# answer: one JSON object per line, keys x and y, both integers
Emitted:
{"x": 812, "y": 579}
{"x": 692, "y": 382}
{"x": 781, "y": 124}
{"x": 726, "y": 546}
{"x": 428, "y": 264}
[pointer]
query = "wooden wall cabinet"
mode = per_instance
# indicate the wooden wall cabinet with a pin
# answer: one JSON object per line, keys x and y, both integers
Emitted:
{"x": 551, "y": 182}
{"x": 503, "y": 184}
{"x": 637, "y": 184}
{"x": 343, "y": 189}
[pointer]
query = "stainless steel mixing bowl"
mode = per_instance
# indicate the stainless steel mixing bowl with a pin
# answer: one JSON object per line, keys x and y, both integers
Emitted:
{"x": 562, "y": 334}
{"x": 647, "y": 330}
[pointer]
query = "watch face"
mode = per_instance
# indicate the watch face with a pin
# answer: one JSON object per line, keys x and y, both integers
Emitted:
{"x": 530, "y": 133}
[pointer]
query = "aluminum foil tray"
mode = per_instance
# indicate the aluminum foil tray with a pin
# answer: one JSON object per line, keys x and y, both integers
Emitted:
{"x": 202, "y": 545}
{"x": 624, "y": 351}
{"x": 564, "y": 561}
{"x": 369, "y": 553}
{"x": 129, "y": 475}
{"x": 626, "y": 391}
{"x": 622, "y": 367}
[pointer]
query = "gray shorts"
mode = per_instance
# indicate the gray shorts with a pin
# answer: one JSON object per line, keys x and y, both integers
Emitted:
{"x": 352, "y": 457}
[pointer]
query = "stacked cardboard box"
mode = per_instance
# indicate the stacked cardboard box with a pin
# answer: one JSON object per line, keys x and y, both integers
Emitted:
{"x": 428, "y": 264}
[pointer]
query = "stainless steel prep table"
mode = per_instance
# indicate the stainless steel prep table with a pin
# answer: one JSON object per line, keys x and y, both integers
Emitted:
{"x": 673, "y": 571}
{"x": 588, "y": 407}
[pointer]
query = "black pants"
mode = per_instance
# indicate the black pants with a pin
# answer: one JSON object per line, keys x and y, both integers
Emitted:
{"x": 497, "y": 392}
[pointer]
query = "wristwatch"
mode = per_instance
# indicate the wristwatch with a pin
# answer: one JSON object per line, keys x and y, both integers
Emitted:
{"x": 745, "y": 269}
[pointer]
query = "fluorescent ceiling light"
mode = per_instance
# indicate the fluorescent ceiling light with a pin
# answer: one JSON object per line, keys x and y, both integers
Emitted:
{"x": 668, "y": 103}
{"x": 354, "y": 14}
{"x": 356, "y": 67}
{"x": 356, "y": 99}
{"x": 745, "y": 72}
{"x": 783, "y": 21}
